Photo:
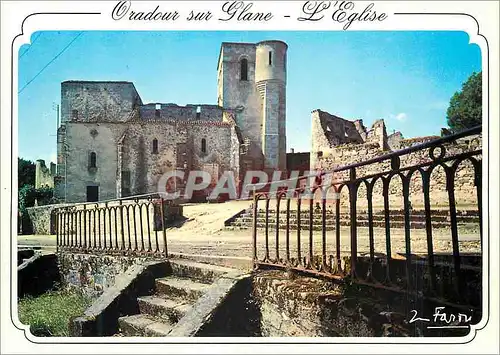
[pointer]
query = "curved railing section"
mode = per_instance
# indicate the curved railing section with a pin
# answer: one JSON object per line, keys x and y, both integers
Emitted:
{"x": 290, "y": 226}
{"x": 133, "y": 226}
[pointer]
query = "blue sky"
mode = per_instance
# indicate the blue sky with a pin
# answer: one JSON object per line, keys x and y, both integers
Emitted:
{"x": 407, "y": 78}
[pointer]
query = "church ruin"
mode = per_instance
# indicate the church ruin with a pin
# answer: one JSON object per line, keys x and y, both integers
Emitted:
{"x": 111, "y": 144}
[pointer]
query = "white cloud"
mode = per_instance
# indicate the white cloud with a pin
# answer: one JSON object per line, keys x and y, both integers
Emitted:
{"x": 400, "y": 116}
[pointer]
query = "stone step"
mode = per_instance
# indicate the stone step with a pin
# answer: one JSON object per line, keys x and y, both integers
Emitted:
{"x": 144, "y": 325}
{"x": 204, "y": 273}
{"x": 168, "y": 309}
{"x": 436, "y": 213}
{"x": 180, "y": 288}
{"x": 331, "y": 226}
{"x": 317, "y": 215}
{"x": 360, "y": 219}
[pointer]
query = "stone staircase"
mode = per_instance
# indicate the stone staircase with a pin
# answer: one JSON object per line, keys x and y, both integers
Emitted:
{"x": 171, "y": 299}
{"x": 440, "y": 219}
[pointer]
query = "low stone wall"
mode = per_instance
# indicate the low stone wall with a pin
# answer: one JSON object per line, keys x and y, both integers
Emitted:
{"x": 292, "y": 305}
{"x": 92, "y": 274}
{"x": 41, "y": 219}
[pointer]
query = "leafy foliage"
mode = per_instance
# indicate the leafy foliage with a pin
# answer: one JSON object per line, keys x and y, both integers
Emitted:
{"x": 26, "y": 172}
{"x": 465, "y": 110}
{"x": 27, "y": 196}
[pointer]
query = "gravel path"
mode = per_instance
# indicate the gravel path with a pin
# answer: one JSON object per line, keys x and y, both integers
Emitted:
{"x": 203, "y": 233}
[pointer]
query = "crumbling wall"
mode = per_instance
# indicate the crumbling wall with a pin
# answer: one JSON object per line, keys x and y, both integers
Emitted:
{"x": 94, "y": 273}
{"x": 378, "y": 135}
{"x": 330, "y": 150}
{"x": 98, "y": 101}
{"x": 328, "y": 131}
{"x": 465, "y": 190}
{"x": 44, "y": 177}
{"x": 189, "y": 112}
{"x": 42, "y": 219}
{"x": 300, "y": 306}
{"x": 394, "y": 140}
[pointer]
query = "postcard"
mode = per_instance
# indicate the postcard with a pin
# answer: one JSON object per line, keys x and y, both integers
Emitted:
{"x": 249, "y": 176}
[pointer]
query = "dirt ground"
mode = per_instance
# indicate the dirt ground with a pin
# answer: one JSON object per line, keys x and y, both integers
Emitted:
{"x": 203, "y": 232}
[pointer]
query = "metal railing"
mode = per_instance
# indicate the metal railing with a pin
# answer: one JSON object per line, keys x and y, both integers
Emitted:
{"x": 128, "y": 226}
{"x": 436, "y": 276}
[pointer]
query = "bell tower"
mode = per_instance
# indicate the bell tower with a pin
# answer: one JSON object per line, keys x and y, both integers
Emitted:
{"x": 252, "y": 81}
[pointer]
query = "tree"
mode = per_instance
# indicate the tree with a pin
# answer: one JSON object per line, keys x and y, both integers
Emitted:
{"x": 27, "y": 197}
{"x": 26, "y": 172}
{"x": 27, "y": 194}
{"x": 465, "y": 109}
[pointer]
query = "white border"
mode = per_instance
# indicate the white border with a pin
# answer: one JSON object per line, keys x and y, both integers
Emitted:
{"x": 13, "y": 15}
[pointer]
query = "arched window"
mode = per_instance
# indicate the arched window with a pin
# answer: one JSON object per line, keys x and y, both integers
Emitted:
{"x": 93, "y": 160}
{"x": 155, "y": 146}
{"x": 203, "y": 145}
{"x": 244, "y": 69}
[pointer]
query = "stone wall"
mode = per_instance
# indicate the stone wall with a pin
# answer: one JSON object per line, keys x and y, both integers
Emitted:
{"x": 300, "y": 306}
{"x": 334, "y": 147}
{"x": 465, "y": 190}
{"x": 126, "y": 163}
{"x": 98, "y": 101}
{"x": 44, "y": 177}
{"x": 181, "y": 113}
{"x": 94, "y": 273}
{"x": 41, "y": 219}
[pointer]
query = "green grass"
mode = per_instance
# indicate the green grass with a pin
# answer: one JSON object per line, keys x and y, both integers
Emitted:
{"x": 49, "y": 314}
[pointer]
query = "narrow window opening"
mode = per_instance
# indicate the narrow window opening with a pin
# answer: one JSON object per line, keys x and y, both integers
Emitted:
{"x": 198, "y": 112}
{"x": 244, "y": 69}
{"x": 93, "y": 160}
{"x": 203, "y": 145}
{"x": 125, "y": 183}
{"x": 74, "y": 114}
{"x": 270, "y": 58}
{"x": 155, "y": 146}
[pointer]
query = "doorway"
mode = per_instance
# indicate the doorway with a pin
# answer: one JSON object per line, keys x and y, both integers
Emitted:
{"x": 92, "y": 193}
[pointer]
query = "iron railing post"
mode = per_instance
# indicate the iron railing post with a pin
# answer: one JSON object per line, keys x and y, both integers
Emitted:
{"x": 254, "y": 227}
{"x": 353, "y": 195}
{"x": 163, "y": 205}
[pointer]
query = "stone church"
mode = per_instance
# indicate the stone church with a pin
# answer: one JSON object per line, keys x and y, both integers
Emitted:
{"x": 110, "y": 144}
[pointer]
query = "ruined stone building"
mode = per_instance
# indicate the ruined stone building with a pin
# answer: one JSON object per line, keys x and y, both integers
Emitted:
{"x": 338, "y": 142}
{"x": 110, "y": 144}
{"x": 44, "y": 176}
